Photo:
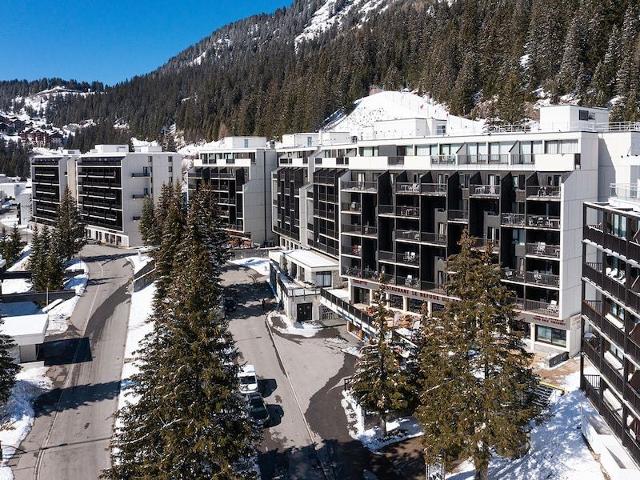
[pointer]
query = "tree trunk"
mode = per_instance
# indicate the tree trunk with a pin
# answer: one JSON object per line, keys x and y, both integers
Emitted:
{"x": 481, "y": 463}
{"x": 383, "y": 425}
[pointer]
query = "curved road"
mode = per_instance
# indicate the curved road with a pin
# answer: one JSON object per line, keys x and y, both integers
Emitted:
{"x": 73, "y": 425}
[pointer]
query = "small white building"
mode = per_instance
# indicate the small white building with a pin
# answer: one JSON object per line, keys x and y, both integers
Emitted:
{"x": 297, "y": 277}
{"x": 27, "y": 332}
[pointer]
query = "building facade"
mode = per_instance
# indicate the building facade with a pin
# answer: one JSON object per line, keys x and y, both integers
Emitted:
{"x": 109, "y": 183}
{"x": 238, "y": 169}
{"x": 51, "y": 175}
{"x": 610, "y": 365}
{"x": 395, "y": 201}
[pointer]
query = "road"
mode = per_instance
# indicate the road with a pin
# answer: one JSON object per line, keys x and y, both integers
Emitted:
{"x": 73, "y": 425}
{"x": 301, "y": 380}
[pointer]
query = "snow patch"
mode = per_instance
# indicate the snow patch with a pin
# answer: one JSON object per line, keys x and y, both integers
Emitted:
{"x": 260, "y": 265}
{"x": 397, "y": 430}
{"x": 18, "y": 414}
{"x": 60, "y": 312}
{"x": 284, "y": 324}
{"x": 138, "y": 262}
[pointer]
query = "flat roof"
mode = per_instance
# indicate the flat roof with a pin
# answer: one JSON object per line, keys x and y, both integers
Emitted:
{"x": 26, "y": 329}
{"x": 311, "y": 259}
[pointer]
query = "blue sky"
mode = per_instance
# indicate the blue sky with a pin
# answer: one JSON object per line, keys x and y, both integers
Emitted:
{"x": 108, "y": 40}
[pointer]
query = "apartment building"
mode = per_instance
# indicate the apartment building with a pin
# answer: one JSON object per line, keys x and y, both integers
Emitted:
{"x": 112, "y": 184}
{"x": 51, "y": 174}
{"x": 395, "y": 197}
{"x": 610, "y": 365}
{"x": 238, "y": 169}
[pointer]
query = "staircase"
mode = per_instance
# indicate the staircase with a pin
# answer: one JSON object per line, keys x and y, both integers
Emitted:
{"x": 543, "y": 393}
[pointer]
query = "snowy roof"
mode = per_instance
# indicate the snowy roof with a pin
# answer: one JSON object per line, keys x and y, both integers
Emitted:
{"x": 311, "y": 259}
{"x": 26, "y": 329}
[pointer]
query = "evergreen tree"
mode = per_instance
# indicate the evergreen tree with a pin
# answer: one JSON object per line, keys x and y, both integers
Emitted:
{"x": 13, "y": 245}
{"x": 148, "y": 225}
{"x": 172, "y": 230}
{"x": 55, "y": 260}
{"x": 71, "y": 229}
{"x": 572, "y": 57}
{"x": 379, "y": 384}
{"x": 37, "y": 259}
{"x": 4, "y": 243}
{"x": 8, "y": 367}
{"x": 477, "y": 382}
{"x": 190, "y": 421}
{"x": 211, "y": 228}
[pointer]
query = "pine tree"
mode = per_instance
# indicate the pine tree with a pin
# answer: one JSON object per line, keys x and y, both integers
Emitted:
{"x": 71, "y": 229}
{"x": 210, "y": 226}
{"x": 379, "y": 384}
{"x": 54, "y": 266}
{"x": 172, "y": 230}
{"x": 37, "y": 259}
{"x": 13, "y": 245}
{"x": 8, "y": 367}
{"x": 148, "y": 225}
{"x": 477, "y": 382}
{"x": 572, "y": 57}
{"x": 4, "y": 244}
{"x": 190, "y": 421}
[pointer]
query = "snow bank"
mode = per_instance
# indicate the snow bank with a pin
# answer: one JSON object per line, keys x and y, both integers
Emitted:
{"x": 138, "y": 262}
{"x": 16, "y": 285}
{"x": 397, "y": 430}
{"x": 60, "y": 313}
{"x": 285, "y": 325}
{"x": 18, "y": 413}
{"x": 260, "y": 265}
{"x": 22, "y": 262}
{"x": 141, "y": 307}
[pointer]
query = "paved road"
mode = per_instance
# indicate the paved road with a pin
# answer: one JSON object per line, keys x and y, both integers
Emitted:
{"x": 301, "y": 379}
{"x": 73, "y": 425}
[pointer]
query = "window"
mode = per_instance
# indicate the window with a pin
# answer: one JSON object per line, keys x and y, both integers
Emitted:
{"x": 323, "y": 279}
{"x": 246, "y": 143}
{"x": 551, "y": 335}
{"x": 619, "y": 225}
{"x": 150, "y": 158}
{"x": 585, "y": 115}
{"x": 170, "y": 158}
{"x": 170, "y": 168}
{"x": 309, "y": 141}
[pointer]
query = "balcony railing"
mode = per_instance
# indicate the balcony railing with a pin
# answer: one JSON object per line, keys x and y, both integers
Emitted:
{"x": 458, "y": 216}
{"x": 141, "y": 174}
{"x": 385, "y": 209}
{"x": 544, "y": 279}
{"x": 360, "y": 273}
{"x": 354, "y": 250}
{"x": 353, "y": 207}
{"x": 433, "y": 188}
{"x": 544, "y": 192}
{"x": 409, "y": 188}
{"x": 482, "y": 243}
{"x": 408, "y": 212}
{"x": 408, "y": 282}
{"x": 371, "y": 187}
{"x": 538, "y": 307}
{"x": 513, "y": 219}
{"x": 425, "y": 237}
{"x": 543, "y": 250}
{"x": 513, "y": 275}
{"x": 360, "y": 230}
{"x": 406, "y": 258}
{"x": 485, "y": 159}
{"x": 484, "y": 191}
{"x": 543, "y": 221}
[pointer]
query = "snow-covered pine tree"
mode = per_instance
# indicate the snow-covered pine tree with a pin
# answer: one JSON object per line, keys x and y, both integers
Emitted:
{"x": 3, "y": 242}
{"x": 71, "y": 229}
{"x": 572, "y": 57}
{"x": 55, "y": 260}
{"x": 38, "y": 259}
{"x": 190, "y": 421}
{"x": 379, "y": 383}
{"x": 14, "y": 245}
{"x": 477, "y": 380}
{"x": 148, "y": 225}
{"x": 8, "y": 367}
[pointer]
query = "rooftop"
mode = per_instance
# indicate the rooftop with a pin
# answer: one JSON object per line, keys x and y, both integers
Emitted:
{"x": 26, "y": 329}
{"x": 311, "y": 259}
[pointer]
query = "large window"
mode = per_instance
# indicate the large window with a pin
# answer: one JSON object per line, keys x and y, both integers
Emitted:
{"x": 551, "y": 335}
{"x": 323, "y": 279}
{"x": 619, "y": 225}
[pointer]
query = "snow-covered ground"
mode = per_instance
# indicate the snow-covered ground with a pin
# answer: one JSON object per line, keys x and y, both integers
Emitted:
{"x": 397, "y": 430}
{"x": 285, "y": 325}
{"x": 141, "y": 307}
{"x": 260, "y": 265}
{"x": 139, "y": 261}
{"x": 60, "y": 312}
{"x": 18, "y": 413}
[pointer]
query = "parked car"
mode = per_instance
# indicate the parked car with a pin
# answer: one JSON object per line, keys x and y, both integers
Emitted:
{"x": 248, "y": 380}
{"x": 257, "y": 409}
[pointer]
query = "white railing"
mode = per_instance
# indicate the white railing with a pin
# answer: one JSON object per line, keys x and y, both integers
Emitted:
{"x": 624, "y": 191}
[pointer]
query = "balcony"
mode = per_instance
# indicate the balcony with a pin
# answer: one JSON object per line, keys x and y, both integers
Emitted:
{"x": 484, "y": 191}
{"x": 326, "y": 214}
{"x": 413, "y": 236}
{"x": 222, "y": 176}
{"x": 513, "y": 220}
{"x": 364, "y": 231}
{"x": 482, "y": 243}
{"x": 458, "y": 216}
{"x": 407, "y": 188}
{"x": 353, "y": 251}
{"x": 141, "y": 174}
{"x": 403, "y": 258}
{"x": 511, "y": 275}
{"x": 360, "y": 273}
{"x": 385, "y": 210}
{"x": 543, "y": 279}
{"x": 443, "y": 159}
{"x": 395, "y": 161}
{"x": 485, "y": 159}
{"x": 543, "y": 250}
{"x": 408, "y": 281}
{"x": 538, "y": 307}
{"x": 544, "y": 222}
{"x": 366, "y": 187}
{"x": 327, "y": 197}
{"x": 544, "y": 193}
{"x": 353, "y": 207}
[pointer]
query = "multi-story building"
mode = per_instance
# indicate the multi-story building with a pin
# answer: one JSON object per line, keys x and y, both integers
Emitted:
{"x": 51, "y": 175}
{"x": 238, "y": 170}
{"x": 610, "y": 365}
{"x": 112, "y": 184}
{"x": 394, "y": 199}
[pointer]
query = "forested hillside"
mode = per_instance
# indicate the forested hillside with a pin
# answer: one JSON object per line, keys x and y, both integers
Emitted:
{"x": 288, "y": 71}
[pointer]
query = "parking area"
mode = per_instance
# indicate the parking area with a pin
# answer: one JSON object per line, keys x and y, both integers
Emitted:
{"x": 301, "y": 380}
